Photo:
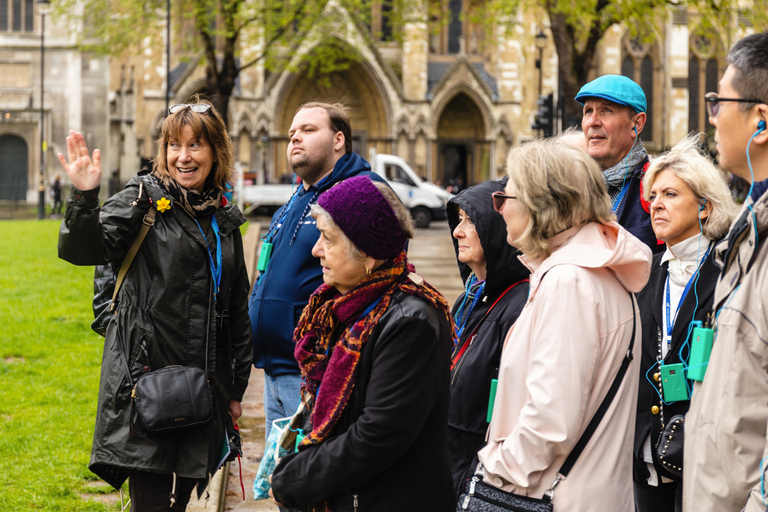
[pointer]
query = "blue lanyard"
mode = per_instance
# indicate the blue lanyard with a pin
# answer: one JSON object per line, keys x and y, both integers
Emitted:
{"x": 671, "y": 324}
{"x": 215, "y": 267}
{"x": 464, "y": 317}
{"x": 617, "y": 201}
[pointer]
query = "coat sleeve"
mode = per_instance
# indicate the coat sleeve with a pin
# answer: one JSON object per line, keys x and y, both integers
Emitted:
{"x": 564, "y": 350}
{"x": 407, "y": 376}
{"x": 90, "y": 235}
{"x": 240, "y": 326}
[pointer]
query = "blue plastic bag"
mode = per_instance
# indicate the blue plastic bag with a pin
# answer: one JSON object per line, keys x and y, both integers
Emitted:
{"x": 272, "y": 453}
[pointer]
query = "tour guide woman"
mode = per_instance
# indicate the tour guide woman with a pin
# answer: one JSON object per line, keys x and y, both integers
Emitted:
{"x": 170, "y": 310}
{"x": 691, "y": 209}
{"x": 374, "y": 347}
{"x": 567, "y": 346}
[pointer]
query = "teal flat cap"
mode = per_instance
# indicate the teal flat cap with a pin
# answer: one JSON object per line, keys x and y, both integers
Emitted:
{"x": 616, "y": 88}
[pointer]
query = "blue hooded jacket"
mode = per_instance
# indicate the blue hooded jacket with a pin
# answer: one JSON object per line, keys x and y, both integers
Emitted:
{"x": 282, "y": 291}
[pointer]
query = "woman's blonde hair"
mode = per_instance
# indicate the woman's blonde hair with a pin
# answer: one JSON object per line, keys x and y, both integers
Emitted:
{"x": 401, "y": 213}
{"x": 706, "y": 181}
{"x": 210, "y": 127}
{"x": 559, "y": 187}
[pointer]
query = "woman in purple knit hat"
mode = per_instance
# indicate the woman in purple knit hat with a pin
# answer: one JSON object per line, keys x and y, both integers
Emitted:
{"x": 374, "y": 346}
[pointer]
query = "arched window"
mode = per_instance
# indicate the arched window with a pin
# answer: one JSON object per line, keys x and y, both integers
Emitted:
{"x": 703, "y": 74}
{"x": 638, "y": 65}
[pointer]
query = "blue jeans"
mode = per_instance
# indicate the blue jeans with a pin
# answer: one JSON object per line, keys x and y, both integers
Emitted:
{"x": 282, "y": 396}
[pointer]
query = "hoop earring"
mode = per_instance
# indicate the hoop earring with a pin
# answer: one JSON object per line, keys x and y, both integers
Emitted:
{"x": 367, "y": 271}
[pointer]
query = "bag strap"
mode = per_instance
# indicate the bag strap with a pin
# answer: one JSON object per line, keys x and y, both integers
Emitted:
{"x": 149, "y": 220}
{"x": 597, "y": 418}
{"x": 468, "y": 340}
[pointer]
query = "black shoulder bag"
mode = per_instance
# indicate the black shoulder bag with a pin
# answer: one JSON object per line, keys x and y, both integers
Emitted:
{"x": 481, "y": 497}
{"x": 171, "y": 397}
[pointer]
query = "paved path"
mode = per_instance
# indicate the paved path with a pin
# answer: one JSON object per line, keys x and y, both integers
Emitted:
{"x": 431, "y": 252}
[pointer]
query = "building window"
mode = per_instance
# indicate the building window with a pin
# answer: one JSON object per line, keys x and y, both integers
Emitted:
{"x": 703, "y": 74}
{"x": 381, "y": 20}
{"x": 638, "y": 65}
{"x": 455, "y": 29}
{"x": 17, "y": 15}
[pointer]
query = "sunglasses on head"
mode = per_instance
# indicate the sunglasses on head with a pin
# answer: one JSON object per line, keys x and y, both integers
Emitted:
{"x": 713, "y": 102}
{"x": 200, "y": 108}
{"x": 499, "y": 198}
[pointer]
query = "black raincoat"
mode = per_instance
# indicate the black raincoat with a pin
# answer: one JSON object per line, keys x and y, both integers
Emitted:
{"x": 166, "y": 314}
{"x": 472, "y": 374}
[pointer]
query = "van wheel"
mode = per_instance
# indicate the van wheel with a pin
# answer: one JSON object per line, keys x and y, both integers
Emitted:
{"x": 421, "y": 217}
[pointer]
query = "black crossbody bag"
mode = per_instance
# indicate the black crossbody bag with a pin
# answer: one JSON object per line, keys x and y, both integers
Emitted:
{"x": 171, "y": 397}
{"x": 481, "y": 497}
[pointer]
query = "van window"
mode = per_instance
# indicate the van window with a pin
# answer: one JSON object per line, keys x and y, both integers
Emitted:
{"x": 396, "y": 174}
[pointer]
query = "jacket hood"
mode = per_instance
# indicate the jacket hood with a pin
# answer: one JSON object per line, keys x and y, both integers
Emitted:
{"x": 347, "y": 166}
{"x": 595, "y": 245}
{"x": 503, "y": 267}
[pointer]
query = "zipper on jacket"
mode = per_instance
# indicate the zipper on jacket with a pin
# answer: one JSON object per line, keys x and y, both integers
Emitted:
{"x": 354, "y": 502}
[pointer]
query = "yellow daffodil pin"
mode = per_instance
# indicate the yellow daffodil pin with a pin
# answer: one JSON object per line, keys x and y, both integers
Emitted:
{"x": 163, "y": 204}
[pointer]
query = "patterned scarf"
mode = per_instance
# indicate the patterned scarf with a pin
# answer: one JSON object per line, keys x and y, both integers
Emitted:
{"x": 198, "y": 204}
{"x": 329, "y": 312}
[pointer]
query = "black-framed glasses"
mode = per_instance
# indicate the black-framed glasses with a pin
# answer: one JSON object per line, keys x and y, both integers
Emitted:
{"x": 713, "y": 102}
{"x": 499, "y": 198}
{"x": 200, "y": 108}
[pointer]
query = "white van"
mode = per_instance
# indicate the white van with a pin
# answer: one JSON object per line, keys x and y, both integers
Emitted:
{"x": 426, "y": 201}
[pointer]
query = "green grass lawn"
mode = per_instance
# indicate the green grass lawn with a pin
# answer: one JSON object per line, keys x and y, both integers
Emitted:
{"x": 49, "y": 374}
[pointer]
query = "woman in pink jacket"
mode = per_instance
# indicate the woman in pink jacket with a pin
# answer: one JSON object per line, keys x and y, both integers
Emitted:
{"x": 565, "y": 350}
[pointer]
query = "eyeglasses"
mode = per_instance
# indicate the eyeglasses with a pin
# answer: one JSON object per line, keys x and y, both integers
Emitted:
{"x": 713, "y": 102}
{"x": 200, "y": 108}
{"x": 499, "y": 199}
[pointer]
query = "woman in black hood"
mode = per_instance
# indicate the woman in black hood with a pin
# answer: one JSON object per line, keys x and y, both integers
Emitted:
{"x": 496, "y": 289}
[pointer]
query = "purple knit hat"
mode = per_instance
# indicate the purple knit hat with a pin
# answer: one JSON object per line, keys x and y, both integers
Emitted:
{"x": 365, "y": 217}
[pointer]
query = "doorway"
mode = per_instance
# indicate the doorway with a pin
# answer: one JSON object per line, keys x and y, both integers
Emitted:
{"x": 14, "y": 165}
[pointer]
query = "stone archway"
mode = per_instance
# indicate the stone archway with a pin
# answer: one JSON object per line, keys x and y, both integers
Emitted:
{"x": 358, "y": 90}
{"x": 463, "y": 154}
{"x": 14, "y": 166}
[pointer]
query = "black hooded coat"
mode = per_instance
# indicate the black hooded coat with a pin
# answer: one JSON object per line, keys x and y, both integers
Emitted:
{"x": 471, "y": 375}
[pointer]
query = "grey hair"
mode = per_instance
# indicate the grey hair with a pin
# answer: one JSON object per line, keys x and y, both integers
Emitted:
{"x": 706, "y": 181}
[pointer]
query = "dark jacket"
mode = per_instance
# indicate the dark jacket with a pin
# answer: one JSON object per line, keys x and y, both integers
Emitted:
{"x": 471, "y": 376}
{"x": 633, "y": 215}
{"x": 165, "y": 315}
{"x": 282, "y": 291}
{"x": 651, "y": 300}
{"x": 389, "y": 448}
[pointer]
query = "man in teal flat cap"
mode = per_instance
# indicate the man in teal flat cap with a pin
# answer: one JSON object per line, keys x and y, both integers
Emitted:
{"x": 614, "y": 117}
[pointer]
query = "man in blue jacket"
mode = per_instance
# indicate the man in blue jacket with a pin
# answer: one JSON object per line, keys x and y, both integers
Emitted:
{"x": 320, "y": 153}
{"x": 614, "y": 117}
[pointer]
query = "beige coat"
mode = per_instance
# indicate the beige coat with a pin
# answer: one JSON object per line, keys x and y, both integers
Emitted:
{"x": 559, "y": 360}
{"x": 725, "y": 429}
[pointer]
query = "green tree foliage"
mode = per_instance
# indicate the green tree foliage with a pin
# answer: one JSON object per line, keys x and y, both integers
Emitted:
{"x": 229, "y": 36}
{"x": 578, "y": 26}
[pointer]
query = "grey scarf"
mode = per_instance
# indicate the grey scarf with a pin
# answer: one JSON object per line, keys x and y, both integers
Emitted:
{"x": 614, "y": 176}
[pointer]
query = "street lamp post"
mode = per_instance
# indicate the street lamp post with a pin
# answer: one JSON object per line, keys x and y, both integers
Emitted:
{"x": 42, "y": 6}
{"x": 541, "y": 42}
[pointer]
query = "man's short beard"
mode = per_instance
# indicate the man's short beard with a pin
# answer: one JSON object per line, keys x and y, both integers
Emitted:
{"x": 311, "y": 171}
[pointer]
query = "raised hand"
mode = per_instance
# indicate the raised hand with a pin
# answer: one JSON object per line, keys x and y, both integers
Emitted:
{"x": 84, "y": 172}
